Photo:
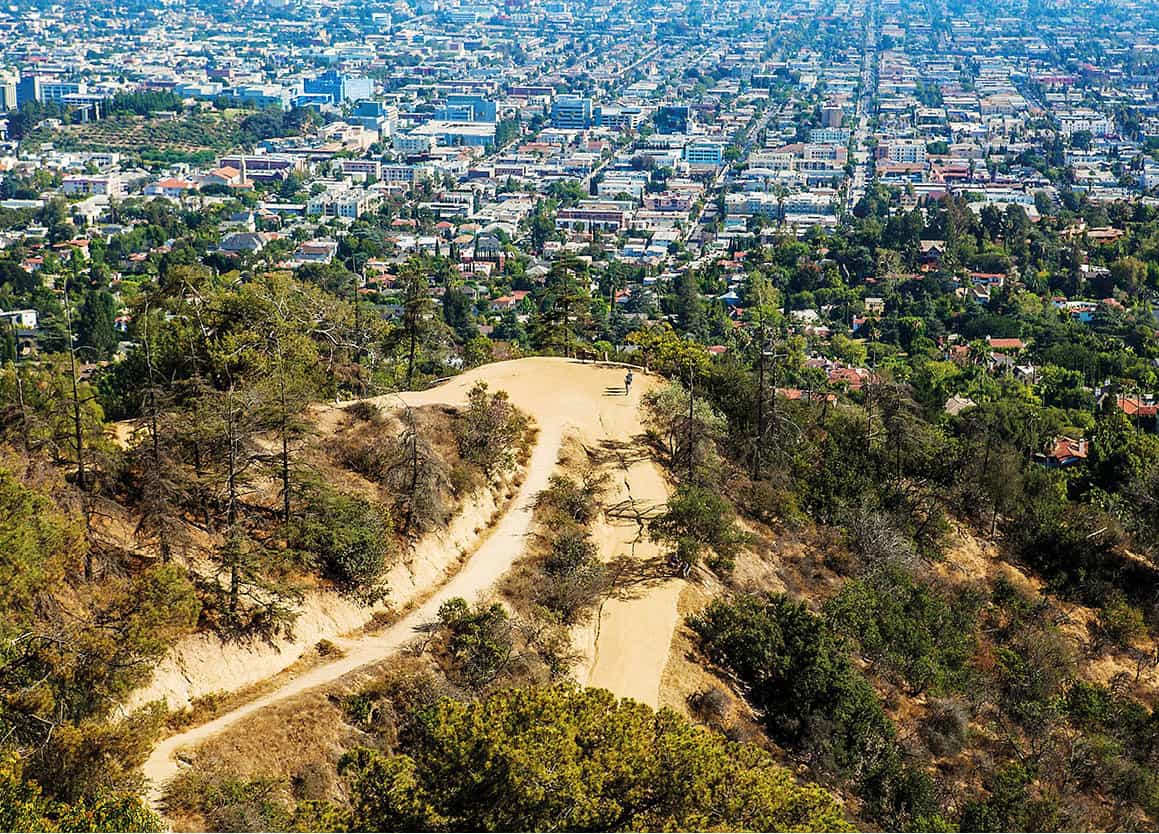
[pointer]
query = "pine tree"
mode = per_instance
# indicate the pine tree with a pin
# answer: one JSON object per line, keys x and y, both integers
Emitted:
{"x": 96, "y": 324}
{"x": 564, "y": 308}
{"x": 416, "y": 306}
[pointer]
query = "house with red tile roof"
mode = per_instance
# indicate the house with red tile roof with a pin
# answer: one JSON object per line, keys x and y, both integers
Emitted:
{"x": 508, "y": 302}
{"x": 225, "y": 175}
{"x": 170, "y": 187}
{"x": 846, "y": 376}
{"x": 1136, "y": 406}
{"x": 1064, "y": 451}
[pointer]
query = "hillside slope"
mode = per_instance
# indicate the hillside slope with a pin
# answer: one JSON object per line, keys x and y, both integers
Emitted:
{"x": 564, "y": 398}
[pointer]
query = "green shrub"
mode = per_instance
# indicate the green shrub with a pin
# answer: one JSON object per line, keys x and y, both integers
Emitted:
{"x": 348, "y": 538}
{"x": 924, "y": 635}
{"x": 575, "y": 500}
{"x": 1122, "y": 623}
{"x": 230, "y": 802}
{"x": 698, "y": 522}
{"x": 490, "y": 431}
{"x": 477, "y": 642}
{"x": 814, "y": 701}
{"x": 573, "y": 577}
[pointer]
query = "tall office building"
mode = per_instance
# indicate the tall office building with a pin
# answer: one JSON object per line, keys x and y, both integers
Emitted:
{"x": 461, "y": 107}
{"x": 339, "y": 87}
{"x": 571, "y": 112}
{"x": 8, "y": 82}
{"x": 55, "y": 92}
{"x": 702, "y": 153}
{"x": 28, "y": 89}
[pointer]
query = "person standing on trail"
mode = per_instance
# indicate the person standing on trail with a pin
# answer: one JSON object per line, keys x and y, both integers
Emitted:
{"x": 627, "y": 383}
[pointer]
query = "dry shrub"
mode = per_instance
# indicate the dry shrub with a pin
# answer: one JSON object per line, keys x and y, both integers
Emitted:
{"x": 712, "y": 705}
{"x": 945, "y": 727}
{"x": 563, "y": 574}
{"x": 365, "y": 411}
{"x": 314, "y": 781}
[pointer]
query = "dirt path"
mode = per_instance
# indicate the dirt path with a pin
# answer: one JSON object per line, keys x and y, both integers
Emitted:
{"x": 626, "y": 647}
{"x": 633, "y": 637}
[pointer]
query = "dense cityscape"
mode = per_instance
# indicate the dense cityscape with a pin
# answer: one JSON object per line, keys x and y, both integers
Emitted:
{"x": 546, "y": 415}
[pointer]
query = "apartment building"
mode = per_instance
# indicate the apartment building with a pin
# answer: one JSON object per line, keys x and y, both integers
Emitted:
{"x": 399, "y": 172}
{"x": 830, "y": 135}
{"x": 904, "y": 152}
{"x": 370, "y": 169}
{"x": 84, "y": 185}
{"x": 668, "y": 201}
{"x": 771, "y": 205}
{"x": 604, "y": 215}
{"x": 832, "y": 115}
{"x": 412, "y": 142}
{"x": 8, "y": 82}
{"x": 617, "y": 183}
{"x": 1082, "y": 119}
{"x": 340, "y": 199}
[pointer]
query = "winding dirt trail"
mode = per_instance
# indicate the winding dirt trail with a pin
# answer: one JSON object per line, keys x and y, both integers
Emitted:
{"x": 628, "y": 648}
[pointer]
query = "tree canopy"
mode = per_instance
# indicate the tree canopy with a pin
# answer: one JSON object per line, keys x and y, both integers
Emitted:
{"x": 577, "y": 760}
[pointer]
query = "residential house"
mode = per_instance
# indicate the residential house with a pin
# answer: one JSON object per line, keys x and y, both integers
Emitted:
{"x": 1062, "y": 452}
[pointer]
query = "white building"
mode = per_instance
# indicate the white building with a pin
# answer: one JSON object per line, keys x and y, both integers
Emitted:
{"x": 8, "y": 81}
{"x": 1083, "y": 119}
{"x": 412, "y": 142}
{"x": 21, "y": 319}
{"x": 830, "y": 135}
{"x": 906, "y": 153}
{"x": 84, "y": 185}
{"x": 319, "y": 251}
{"x": 366, "y": 168}
{"x": 341, "y": 199}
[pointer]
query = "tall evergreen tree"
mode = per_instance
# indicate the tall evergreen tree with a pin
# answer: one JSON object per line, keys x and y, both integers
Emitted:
{"x": 96, "y": 324}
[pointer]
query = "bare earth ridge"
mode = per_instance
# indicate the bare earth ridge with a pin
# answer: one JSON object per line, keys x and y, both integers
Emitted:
{"x": 626, "y": 648}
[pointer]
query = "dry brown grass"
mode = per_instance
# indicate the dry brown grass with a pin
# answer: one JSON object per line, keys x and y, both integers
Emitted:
{"x": 208, "y": 707}
{"x": 972, "y": 559}
{"x": 289, "y": 742}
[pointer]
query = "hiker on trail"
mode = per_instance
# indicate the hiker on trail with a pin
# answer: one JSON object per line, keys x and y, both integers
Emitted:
{"x": 627, "y": 383}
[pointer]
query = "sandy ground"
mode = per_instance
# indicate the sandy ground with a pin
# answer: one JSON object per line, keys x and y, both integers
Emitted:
{"x": 201, "y": 664}
{"x": 626, "y": 646}
{"x": 629, "y": 648}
